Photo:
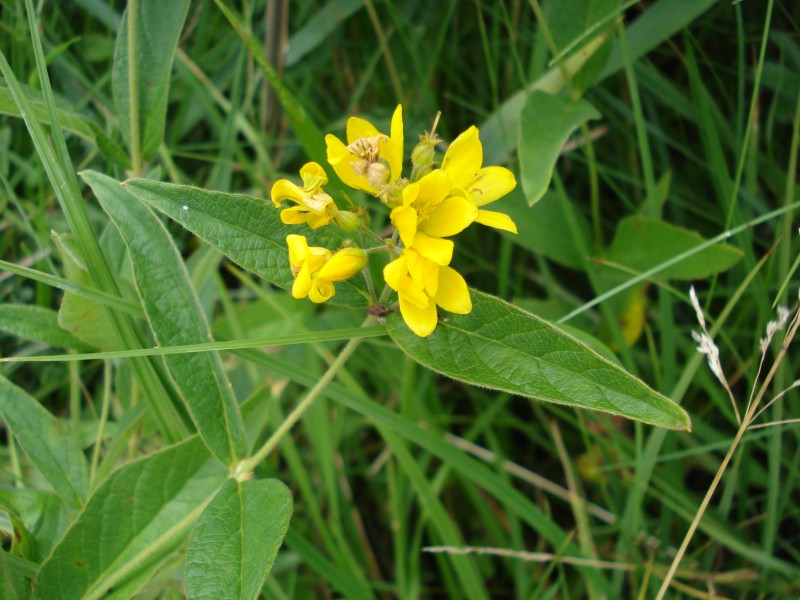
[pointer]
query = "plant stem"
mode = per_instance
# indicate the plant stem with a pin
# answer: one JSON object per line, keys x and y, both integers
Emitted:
{"x": 101, "y": 425}
{"x": 247, "y": 465}
{"x": 133, "y": 91}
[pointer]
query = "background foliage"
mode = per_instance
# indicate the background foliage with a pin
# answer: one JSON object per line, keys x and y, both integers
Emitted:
{"x": 692, "y": 110}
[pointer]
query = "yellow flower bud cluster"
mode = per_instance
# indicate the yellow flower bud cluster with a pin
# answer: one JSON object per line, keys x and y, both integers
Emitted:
{"x": 438, "y": 201}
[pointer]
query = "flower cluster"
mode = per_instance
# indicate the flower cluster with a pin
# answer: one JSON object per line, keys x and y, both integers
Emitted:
{"x": 436, "y": 202}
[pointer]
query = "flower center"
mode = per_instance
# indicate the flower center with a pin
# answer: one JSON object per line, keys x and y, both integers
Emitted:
{"x": 424, "y": 208}
{"x": 367, "y": 148}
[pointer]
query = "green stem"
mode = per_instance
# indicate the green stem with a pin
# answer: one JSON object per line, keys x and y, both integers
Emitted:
{"x": 133, "y": 91}
{"x": 101, "y": 425}
{"x": 246, "y": 466}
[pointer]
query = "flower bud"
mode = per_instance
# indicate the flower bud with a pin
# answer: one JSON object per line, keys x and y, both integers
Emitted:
{"x": 347, "y": 220}
{"x": 423, "y": 155}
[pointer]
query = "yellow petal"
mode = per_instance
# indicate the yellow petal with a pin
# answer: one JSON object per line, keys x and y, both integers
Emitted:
{"x": 286, "y": 190}
{"x": 394, "y": 272}
{"x": 298, "y": 249}
{"x": 294, "y": 215}
{"x": 343, "y": 265}
{"x": 424, "y": 272}
{"x": 318, "y": 201}
{"x": 396, "y": 276}
{"x": 358, "y": 128}
{"x": 316, "y": 221}
{"x": 421, "y": 321}
{"x": 453, "y": 293}
{"x": 438, "y": 250}
{"x": 410, "y": 194}
{"x": 497, "y": 220}
{"x": 393, "y": 152}
{"x": 405, "y": 219}
{"x": 313, "y": 176}
{"x": 396, "y": 132}
{"x": 321, "y": 291}
{"x": 416, "y": 266}
{"x": 302, "y": 283}
{"x": 450, "y": 217}
{"x": 316, "y": 259}
{"x": 434, "y": 187}
{"x": 492, "y": 184}
{"x": 463, "y": 158}
{"x": 340, "y": 159}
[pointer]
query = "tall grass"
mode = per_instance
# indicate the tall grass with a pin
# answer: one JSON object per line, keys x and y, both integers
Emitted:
{"x": 407, "y": 484}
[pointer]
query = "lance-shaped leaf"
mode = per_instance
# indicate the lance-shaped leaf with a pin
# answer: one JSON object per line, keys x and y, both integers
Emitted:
{"x": 236, "y": 539}
{"x": 500, "y": 132}
{"x": 176, "y": 318}
{"x": 502, "y": 347}
{"x": 46, "y": 442}
{"x": 36, "y": 323}
{"x": 83, "y": 318}
{"x": 134, "y": 520}
{"x": 158, "y": 27}
{"x": 247, "y": 230}
{"x": 13, "y": 586}
{"x": 641, "y": 243}
{"x": 547, "y": 122}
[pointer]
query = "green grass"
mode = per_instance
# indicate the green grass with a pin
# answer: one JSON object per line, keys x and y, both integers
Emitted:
{"x": 699, "y": 127}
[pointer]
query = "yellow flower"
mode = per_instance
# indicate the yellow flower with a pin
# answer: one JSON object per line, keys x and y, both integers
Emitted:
{"x": 429, "y": 212}
{"x": 315, "y": 269}
{"x": 421, "y": 286}
{"x": 314, "y": 206}
{"x": 370, "y": 159}
{"x": 462, "y": 162}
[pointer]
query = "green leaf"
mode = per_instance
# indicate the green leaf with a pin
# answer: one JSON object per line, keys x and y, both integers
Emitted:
{"x": 656, "y": 24}
{"x": 547, "y": 122}
{"x": 13, "y": 586}
{"x": 134, "y": 520}
{"x": 571, "y": 21}
{"x": 552, "y": 309}
{"x": 176, "y": 318}
{"x": 319, "y": 28}
{"x": 52, "y": 150}
{"x": 500, "y": 132}
{"x": 236, "y": 540}
{"x": 158, "y": 28}
{"x": 68, "y": 119}
{"x": 641, "y": 243}
{"x": 36, "y": 323}
{"x": 502, "y": 347}
{"x": 47, "y": 442}
{"x": 544, "y": 226}
{"x": 44, "y": 515}
{"x": 85, "y": 319}
{"x": 247, "y": 230}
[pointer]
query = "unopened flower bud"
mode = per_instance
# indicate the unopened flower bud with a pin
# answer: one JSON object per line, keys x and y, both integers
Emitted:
{"x": 347, "y": 220}
{"x": 423, "y": 153}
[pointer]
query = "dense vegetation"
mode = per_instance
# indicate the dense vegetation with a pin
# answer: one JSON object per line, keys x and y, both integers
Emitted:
{"x": 681, "y": 120}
